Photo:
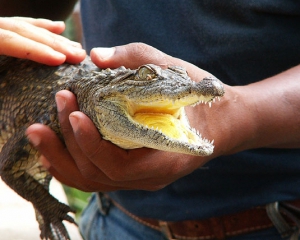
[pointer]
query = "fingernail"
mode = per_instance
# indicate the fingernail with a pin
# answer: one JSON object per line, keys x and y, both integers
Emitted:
{"x": 60, "y": 103}
{"x": 74, "y": 121}
{"x": 59, "y": 22}
{"x": 34, "y": 139}
{"x": 76, "y": 50}
{"x": 105, "y": 53}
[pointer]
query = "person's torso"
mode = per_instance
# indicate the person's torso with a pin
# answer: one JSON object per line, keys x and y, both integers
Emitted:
{"x": 237, "y": 41}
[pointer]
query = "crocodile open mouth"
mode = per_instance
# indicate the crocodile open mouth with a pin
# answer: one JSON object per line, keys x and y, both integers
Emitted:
{"x": 169, "y": 118}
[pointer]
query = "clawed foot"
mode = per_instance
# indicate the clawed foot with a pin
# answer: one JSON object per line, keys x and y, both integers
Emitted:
{"x": 51, "y": 222}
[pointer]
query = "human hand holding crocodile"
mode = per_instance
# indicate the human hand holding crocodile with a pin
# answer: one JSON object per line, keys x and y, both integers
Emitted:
{"x": 243, "y": 119}
{"x": 38, "y": 40}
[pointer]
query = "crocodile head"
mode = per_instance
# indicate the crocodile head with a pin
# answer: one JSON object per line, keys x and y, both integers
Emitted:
{"x": 149, "y": 106}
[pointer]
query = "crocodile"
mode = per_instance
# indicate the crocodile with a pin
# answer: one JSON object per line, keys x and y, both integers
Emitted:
{"x": 136, "y": 108}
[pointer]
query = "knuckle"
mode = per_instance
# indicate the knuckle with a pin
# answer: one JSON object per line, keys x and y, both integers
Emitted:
{"x": 143, "y": 53}
{"x": 67, "y": 132}
{"x": 138, "y": 49}
{"x": 5, "y": 35}
{"x": 116, "y": 176}
{"x": 18, "y": 26}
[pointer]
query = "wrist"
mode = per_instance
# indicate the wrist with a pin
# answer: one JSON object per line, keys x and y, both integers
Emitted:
{"x": 229, "y": 122}
{"x": 243, "y": 125}
{"x": 269, "y": 112}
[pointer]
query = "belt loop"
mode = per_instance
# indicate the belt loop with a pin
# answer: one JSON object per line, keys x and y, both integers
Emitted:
{"x": 166, "y": 230}
{"x": 284, "y": 229}
{"x": 103, "y": 203}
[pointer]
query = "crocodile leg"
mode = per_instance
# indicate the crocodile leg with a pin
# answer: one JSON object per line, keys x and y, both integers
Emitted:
{"x": 22, "y": 172}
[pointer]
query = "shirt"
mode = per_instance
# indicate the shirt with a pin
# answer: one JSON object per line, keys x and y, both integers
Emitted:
{"x": 240, "y": 42}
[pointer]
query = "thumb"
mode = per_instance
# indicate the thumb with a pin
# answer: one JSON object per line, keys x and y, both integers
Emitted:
{"x": 131, "y": 56}
{"x": 134, "y": 55}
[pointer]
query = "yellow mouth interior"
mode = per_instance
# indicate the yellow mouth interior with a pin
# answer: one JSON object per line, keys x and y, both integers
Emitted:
{"x": 165, "y": 123}
{"x": 168, "y": 118}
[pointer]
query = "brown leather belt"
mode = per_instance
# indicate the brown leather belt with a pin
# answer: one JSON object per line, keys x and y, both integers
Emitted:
{"x": 217, "y": 227}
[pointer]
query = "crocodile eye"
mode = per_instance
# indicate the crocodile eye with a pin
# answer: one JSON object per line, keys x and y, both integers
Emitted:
{"x": 146, "y": 73}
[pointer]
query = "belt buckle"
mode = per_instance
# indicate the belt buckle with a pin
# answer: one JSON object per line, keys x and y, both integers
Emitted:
{"x": 282, "y": 226}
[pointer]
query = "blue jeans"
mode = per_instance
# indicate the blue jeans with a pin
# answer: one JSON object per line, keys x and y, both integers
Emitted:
{"x": 116, "y": 225}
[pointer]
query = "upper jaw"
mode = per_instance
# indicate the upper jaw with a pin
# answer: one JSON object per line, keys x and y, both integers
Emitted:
{"x": 171, "y": 107}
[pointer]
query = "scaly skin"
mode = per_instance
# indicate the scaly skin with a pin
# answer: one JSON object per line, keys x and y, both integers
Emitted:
{"x": 131, "y": 108}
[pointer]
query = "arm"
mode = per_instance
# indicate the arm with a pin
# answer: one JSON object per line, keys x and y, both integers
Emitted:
{"x": 54, "y": 9}
{"x": 38, "y": 40}
{"x": 275, "y": 105}
{"x": 247, "y": 117}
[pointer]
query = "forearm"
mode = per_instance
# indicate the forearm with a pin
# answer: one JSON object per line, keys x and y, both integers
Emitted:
{"x": 272, "y": 107}
{"x": 277, "y": 102}
{"x": 54, "y": 10}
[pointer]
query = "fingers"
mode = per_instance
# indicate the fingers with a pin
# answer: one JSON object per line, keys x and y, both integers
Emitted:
{"x": 17, "y": 46}
{"x": 35, "y": 134}
{"x": 83, "y": 139}
{"x": 68, "y": 163}
{"x": 20, "y": 38}
{"x": 65, "y": 98}
{"x": 53, "y": 26}
{"x": 65, "y": 169}
{"x": 66, "y": 105}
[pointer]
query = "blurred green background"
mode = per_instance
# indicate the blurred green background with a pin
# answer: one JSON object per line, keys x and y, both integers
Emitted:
{"x": 77, "y": 200}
